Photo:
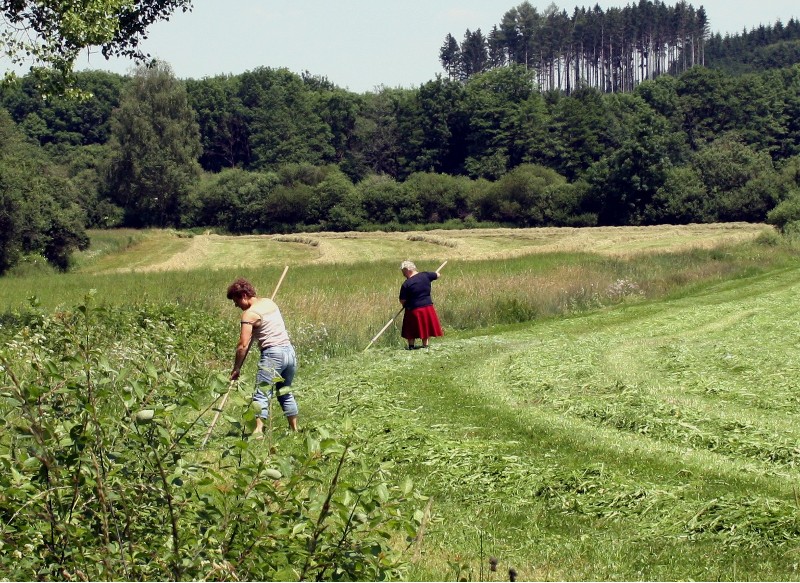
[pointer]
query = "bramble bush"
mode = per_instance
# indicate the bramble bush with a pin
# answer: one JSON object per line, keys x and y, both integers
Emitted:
{"x": 104, "y": 477}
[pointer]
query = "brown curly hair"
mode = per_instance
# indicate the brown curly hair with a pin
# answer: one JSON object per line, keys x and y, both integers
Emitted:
{"x": 241, "y": 288}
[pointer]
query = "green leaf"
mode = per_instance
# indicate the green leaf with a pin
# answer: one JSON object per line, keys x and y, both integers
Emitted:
{"x": 383, "y": 492}
{"x": 407, "y": 486}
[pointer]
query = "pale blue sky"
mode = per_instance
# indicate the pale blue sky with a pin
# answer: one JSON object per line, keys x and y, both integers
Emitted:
{"x": 360, "y": 44}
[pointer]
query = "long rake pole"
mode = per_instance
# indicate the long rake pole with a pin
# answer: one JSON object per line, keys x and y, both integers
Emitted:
{"x": 389, "y": 323}
{"x": 230, "y": 384}
{"x": 217, "y": 414}
{"x": 280, "y": 281}
{"x": 378, "y": 335}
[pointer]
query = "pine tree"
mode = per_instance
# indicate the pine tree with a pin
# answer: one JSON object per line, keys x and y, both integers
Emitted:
{"x": 450, "y": 56}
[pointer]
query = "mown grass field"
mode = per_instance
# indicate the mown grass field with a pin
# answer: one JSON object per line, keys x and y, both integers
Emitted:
{"x": 605, "y": 405}
{"x": 150, "y": 251}
{"x": 652, "y": 442}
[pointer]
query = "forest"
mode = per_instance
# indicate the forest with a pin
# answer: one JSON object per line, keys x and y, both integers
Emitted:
{"x": 639, "y": 116}
{"x": 614, "y": 50}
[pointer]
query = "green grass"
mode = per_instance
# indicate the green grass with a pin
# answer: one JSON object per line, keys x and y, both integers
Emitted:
{"x": 587, "y": 416}
{"x": 655, "y": 441}
{"x": 109, "y": 245}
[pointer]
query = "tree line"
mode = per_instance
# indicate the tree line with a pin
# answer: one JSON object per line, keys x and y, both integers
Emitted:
{"x": 764, "y": 47}
{"x": 611, "y": 49}
{"x": 271, "y": 151}
{"x": 614, "y": 49}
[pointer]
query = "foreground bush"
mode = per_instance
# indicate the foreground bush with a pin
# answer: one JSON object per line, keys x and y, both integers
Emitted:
{"x": 104, "y": 476}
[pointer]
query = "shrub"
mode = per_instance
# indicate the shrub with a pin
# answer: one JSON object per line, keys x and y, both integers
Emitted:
{"x": 680, "y": 200}
{"x": 334, "y": 190}
{"x": 785, "y": 212}
{"x": 232, "y": 200}
{"x": 528, "y": 196}
{"x": 103, "y": 477}
{"x": 440, "y": 197}
{"x": 384, "y": 201}
{"x": 286, "y": 208}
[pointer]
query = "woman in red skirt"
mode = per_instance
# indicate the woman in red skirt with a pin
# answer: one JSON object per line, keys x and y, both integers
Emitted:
{"x": 420, "y": 319}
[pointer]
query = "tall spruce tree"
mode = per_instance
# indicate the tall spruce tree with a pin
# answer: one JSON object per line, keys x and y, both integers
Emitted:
{"x": 450, "y": 56}
{"x": 474, "y": 54}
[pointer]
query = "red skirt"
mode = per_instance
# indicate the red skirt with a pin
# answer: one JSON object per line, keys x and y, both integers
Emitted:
{"x": 421, "y": 323}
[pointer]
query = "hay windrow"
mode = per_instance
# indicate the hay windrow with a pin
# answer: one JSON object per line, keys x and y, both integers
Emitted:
{"x": 433, "y": 240}
{"x": 296, "y": 239}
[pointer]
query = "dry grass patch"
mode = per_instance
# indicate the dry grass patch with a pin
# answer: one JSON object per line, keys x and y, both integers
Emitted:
{"x": 614, "y": 241}
{"x": 389, "y": 247}
{"x": 165, "y": 250}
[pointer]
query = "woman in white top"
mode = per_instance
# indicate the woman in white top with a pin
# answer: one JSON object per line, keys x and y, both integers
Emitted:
{"x": 262, "y": 323}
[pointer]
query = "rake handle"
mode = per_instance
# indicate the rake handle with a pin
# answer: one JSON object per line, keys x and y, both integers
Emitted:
{"x": 280, "y": 281}
{"x": 216, "y": 416}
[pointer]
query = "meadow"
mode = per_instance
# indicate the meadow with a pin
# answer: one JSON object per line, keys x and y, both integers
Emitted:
{"x": 606, "y": 404}
{"x": 493, "y": 275}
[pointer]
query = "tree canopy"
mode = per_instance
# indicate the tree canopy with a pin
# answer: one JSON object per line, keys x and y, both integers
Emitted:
{"x": 155, "y": 145}
{"x": 50, "y": 34}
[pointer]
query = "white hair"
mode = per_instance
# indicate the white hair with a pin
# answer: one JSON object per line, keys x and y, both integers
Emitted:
{"x": 408, "y": 265}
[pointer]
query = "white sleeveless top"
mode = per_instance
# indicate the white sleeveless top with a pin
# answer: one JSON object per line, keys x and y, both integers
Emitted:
{"x": 270, "y": 329}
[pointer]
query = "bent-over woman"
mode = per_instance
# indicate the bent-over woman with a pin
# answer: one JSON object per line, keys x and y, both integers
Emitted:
{"x": 262, "y": 322}
{"x": 420, "y": 319}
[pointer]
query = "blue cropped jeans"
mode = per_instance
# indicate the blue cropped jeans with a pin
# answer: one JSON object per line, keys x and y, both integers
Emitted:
{"x": 275, "y": 372}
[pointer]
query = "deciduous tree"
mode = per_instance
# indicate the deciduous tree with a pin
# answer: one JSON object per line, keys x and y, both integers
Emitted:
{"x": 282, "y": 123}
{"x": 50, "y": 34}
{"x": 157, "y": 143}
{"x": 38, "y": 212}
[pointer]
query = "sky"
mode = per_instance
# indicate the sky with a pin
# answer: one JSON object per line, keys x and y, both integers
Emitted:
{"x": 360, "y": 45}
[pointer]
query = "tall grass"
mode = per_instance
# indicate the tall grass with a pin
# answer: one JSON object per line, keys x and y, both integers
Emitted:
{"x": 336, "y": 309}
